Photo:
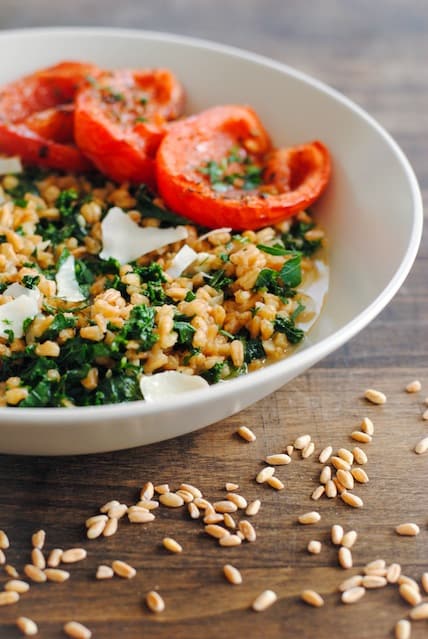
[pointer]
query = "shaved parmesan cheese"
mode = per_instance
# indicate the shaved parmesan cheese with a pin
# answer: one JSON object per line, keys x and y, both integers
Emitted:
{"x": 10, "y": 165}
{"x": 13, "y": 314}
{"x": 125, "y": 241}
{"x": 157, "y": 387}
{"x": 181, "y": 261}
{"x": 222, "y": 230}
{"x": 67, "y": 287}
{"x": 16, "y": 290}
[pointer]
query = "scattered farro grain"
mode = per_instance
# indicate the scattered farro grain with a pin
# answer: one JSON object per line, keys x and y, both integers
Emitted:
{"x": 374, "y": 396}
{"x": 330, "y": 489}
{"x": 403, "y": 629}
{"x": 95, "y": 520}
{"x": 419, "y": 612}
{"x": 154, "y": 601}
{"x": 312, "y": 598}
{"x": 374, "y": 581}
{"x": 314, "y": 547}
{"x": 137, "y": 515}
{"x": 359, "y": 436}
{"x": 345, "y": 558}
{"x": 266, "y": 599}
{"x": 318, "y": 492}
{"x": 230, "y": 540}
{"x": 360, "y": 475}
{"x": 424, "y": 580}
{"x": 375, "y": 567}
{"x": 37, "y": 558}
{"x": 194, "y": 511}
{"x": 393, "y": 573}
{"x": 312, "y": 517}
{"x": 170, "y": 544}
{"x": 367, "y": 426}
{"x": 308, "y": 450}
{"x": 232, "y": 574}
{"x": 339, "y": 486}
{"x": 122, "y": 569}
{"x": 229, "y": 486}
{"x": 38, "y": 539}
{"x": 77, "y": 630}
{"x": 408, "y": 530}
{"x": 325, "y": 454}
{"x": 422, "y": 446}
{"x": 276, "y": 483}
{"x": 289, "y": 450}
{"x": 239, "y": 500}
{"x": 325, "y": 475}
{"x": 162, "y": 489}
{"x": 171, "y": 500}
{"x": 54, "y": 558}
{"x": 247, "y": 529}
{"x": 4, "y": 540}
{"x": 110, "y": 504}
{"x": 72, "y": 555}
{"x": 425, "y": 414}
{"x": 119, "y": 510}
{"x": 185, "y": 496}
{"x": 225, "y": 506}
{"x": 353, "y": 595}
{"x": 110, "y": 528}
{"x": 96, "y": 529}
{"x": 229, "y": 521}
{"x": 349, "y": 539}
{"x": 253, "y": 508}
{"x": 27, "y": 626}
{"x": 34, "y": 573}
{"x": 202, "y": 503}
{"x": 16, "y": 585}
{"x": 147, "y": 504}
{"x": 410, "y": 594}
{"x": 345, "y": 478}
{"x": 56, "y": 575}
{"x": 414, "y": 387}
{"x": 403, "y": 579}
{"x": 352, "y": 500}
{"x": 359, "y": 455}
{"x": 191, "y": 489}
{"x": 301, "y": 442}
{"x": 351, "y": 582}
{"x": 346, "y": 454}
{"x": 278, "y": 459}
{"x": 147, "y": 491}
{"x": 213, "y": 517}
{"x": 8, "y": 597}
{"x": 2, "y": 558}
{"x": 264, "y": 474}
{"x": 339, "y": 463}
{"x": 104, "y": 572}
{"x": 11, "y": 571}
{"x": 216, "y": 531}
{"x": 245, "y": 433}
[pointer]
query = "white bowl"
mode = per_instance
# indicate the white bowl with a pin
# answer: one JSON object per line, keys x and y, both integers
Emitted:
{"x": 372, "y": 211}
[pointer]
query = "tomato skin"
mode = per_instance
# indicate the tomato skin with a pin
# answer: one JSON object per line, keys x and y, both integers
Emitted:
{"x": 120, "y": 122}
{"x": 33, "y": 122}
{"x": 297, "y": 176}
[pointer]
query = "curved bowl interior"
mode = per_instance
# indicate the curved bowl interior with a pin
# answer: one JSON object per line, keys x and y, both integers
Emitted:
{"x": 372, "y": 212}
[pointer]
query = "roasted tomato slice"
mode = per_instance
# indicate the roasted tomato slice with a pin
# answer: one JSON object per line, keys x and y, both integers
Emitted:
{"x": 218, "y": 168}
{"x": 121, "y": 119}
{"x": 32, "y": 124}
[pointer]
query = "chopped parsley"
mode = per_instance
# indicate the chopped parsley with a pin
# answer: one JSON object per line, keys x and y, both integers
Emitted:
{"x": 224, "y": 174}
{"x": 30, "y": 281}
{"x": 294, "y": 239}
{"x": 69, "y": 225}
{"x": 219, "y": 280}
{"x": 281, "y": 283}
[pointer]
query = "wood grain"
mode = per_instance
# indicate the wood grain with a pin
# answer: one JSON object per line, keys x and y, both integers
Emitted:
{"x": 376, "y": 53}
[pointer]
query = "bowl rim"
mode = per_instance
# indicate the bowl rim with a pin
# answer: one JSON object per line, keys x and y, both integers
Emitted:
{"x": 299, "y": 360}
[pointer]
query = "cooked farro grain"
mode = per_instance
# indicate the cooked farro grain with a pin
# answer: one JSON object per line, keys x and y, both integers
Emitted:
{"x": 276, "y": 483}
{"x": 312, "y": 517}
{"x": 27, "y": 626}
{"x": 17, "y": 585}
{"x": 54, "y": 558}
{"x": 352, "y": 500}
{"x": 38, "y": 539}
{"x": 409, "y": 594}
{"x": 8, "y": 598}
{"x": 170, "y": 544}
{"x": 325, "y": 454}
{"x": 122, "y": 569}
{"x": 246, "y": 433}
{"x": 253, "y": 508}
{"x": 318, "y": 492}
{"x": 266, "y": 599}
{"x": 314, "y": 547}
{"x": 72, "y": 555}
{"x": 232, "y": 574}
{"x": 345, "y": 558}
{"x": 35, "y": 574}
{"x": 77, "y": 630}
{"x": 56, "y": 575}
{"x": 393, "y": 573}
{"x": 263, "y": 475}
{"x": 414, "y": 387}
{"x": 408, "y": 530}
{"x": 374, "y": 396}
{"x": 349, "y": 539}
{"x": 104, "y": 572}
{"x": 403, "y": 629}
{"x": 154, "y": 601}
{"x": 353, "y": 595}
{"x": 278, "y": 459}
{"x": 312, "y": 598}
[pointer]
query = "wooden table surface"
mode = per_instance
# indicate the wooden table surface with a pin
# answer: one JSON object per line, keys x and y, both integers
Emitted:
{"x": 376, "y": 53}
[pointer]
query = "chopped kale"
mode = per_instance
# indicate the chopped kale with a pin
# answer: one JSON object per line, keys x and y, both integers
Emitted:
{"x": 281, "y": 283}
{"x": 219, "y": 280}
{"x": 140, "y": 326}
{"x": 190, "y": 296}
{"x": 253, "y": 349}
{"x": 39, "y": 396}
{"x": 152, "y": 277}
{"x": 291, "y": 272}
{"x": 213, "y": 374}
{"x": 294, "y": 239}
{"x": 59, "y": 323}
{"x": 147, "y": 207}
{"x": 30, "y": 281}
{"x": 185, "y": 332}
{"x": 287, "y": 326}
{"x": 276, "y": 249}
{"x": 68, "y": 204}
{"x": 26, "y": 183}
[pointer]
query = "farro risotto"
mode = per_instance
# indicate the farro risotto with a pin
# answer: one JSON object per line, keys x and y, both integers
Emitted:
{"x": 111, "y": 289}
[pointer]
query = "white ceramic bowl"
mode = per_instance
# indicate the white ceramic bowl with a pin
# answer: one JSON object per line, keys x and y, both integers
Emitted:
{"x": 372, "y": 211}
